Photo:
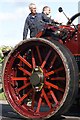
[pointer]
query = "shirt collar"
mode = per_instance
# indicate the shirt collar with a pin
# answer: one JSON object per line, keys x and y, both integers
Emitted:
{"x": 31, "y": 16}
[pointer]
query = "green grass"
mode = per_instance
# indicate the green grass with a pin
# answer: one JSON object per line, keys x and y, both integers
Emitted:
{"x": 2, "y": 96}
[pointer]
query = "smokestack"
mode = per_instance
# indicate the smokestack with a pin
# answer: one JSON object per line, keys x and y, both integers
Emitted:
{"x": 79, "y": 11}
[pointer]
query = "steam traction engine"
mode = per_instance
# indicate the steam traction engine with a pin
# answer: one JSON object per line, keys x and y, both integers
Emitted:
{"x": 41, "y": 75}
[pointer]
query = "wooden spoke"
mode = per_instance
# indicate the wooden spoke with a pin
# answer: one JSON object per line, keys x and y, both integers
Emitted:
{"x": 19, "y": 78}
{"x": 54, "y": 86}
{"x": 39, "y": 103}
{"x": 33, "y": 60}
{"x": 25, "y": 61}
{"x": 46, "y": 98}
{"x": 23, "y": 87}
{"x": 39, "y": 55}
{"x": 45, "y": 60}
{"x": 52, "y": 62}
{"x": 24, "y": 71}
{"x": 58, "y": 78}
{"x": 24, "y": 96}
{"x": 53, "y": 95}
{"x": 54, "y": 71}
{"x": 33, "y": 100}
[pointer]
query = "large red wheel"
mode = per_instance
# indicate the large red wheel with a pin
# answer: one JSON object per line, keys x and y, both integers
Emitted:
{"x": 40, "y": 78}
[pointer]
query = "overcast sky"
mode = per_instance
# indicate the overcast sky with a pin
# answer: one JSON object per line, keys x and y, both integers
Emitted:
{"x": 14, "y": 12}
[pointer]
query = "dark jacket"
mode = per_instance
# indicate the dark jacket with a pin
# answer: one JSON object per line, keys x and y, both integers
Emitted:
{"x": 45, "y": 18}
{"x": 35, "y": 24}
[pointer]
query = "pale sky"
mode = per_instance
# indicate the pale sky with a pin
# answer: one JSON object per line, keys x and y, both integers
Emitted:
{"x": 14, "y": 12}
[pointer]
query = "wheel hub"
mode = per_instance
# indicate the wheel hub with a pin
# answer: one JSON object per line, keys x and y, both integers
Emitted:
{"x": 37, "y": 78}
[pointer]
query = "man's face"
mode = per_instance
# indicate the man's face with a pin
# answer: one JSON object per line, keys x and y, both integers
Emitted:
{"x": 33, "y": 9}
{"x": 48, "y": 11}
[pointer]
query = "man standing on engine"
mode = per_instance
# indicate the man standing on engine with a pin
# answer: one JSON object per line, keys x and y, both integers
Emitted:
{"x": 33, "y": 22}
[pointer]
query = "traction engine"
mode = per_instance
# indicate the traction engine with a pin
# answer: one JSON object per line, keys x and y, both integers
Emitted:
{"x": 41, "y": 74}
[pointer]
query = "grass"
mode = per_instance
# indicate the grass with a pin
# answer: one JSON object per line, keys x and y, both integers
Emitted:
{"x": 2, "y": 96}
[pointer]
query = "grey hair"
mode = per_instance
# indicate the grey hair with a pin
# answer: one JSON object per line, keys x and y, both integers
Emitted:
{"x": 30, "y": 5}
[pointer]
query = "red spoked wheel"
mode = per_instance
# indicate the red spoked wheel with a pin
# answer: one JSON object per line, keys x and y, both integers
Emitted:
{"x": 40, "y": 77}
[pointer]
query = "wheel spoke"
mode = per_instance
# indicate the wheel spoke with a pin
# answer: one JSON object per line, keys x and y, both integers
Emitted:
{"x": 45, "y": 60}
{"x": 23, "y": 87}
{"x": 52, "y": 62}
{"x": 25, "y": 61}
{"x": 54, "y": 86}
{"x": 25, "y": 96}
{"x": 19, "y": 78}
{"x": 58, "y": 78}
{"x": 54, "y": 71}
{"x": 33, "y": 99}
{"x": 24, "y": 71}
{"x": 53, "y": 95}
{"x": 13, "y": 82}
{"x": 46, "y": 98}
{"x": 39, "y": 103}
{"x": 33, "y": 60}
{"x": 39, "y": 55}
